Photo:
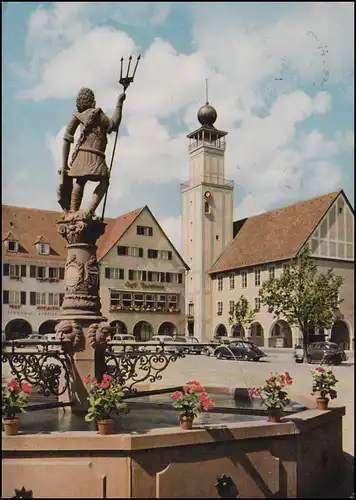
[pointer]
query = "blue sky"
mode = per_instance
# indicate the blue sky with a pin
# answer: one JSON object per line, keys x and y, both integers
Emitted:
{"x": 280, "y": 76}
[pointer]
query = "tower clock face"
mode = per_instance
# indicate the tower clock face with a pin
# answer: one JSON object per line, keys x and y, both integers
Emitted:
{"x": 207, "y": 195}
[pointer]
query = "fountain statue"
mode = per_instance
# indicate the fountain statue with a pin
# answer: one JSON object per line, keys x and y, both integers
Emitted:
{"x": 81, "y": 307}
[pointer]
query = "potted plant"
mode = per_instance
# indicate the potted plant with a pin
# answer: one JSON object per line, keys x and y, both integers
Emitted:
{"x": 323, "y": 384}
{"x": 105, "y": 400}
{"x": 273, "y": 395}
{"x": 193, "y": 400}
{"x": 14, "y": 396}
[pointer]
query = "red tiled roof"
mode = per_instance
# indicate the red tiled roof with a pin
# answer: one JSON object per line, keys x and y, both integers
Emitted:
{"x": 28, "y": 223}
{"x": 275, "y": 235}
{"x": 114, "y": 230}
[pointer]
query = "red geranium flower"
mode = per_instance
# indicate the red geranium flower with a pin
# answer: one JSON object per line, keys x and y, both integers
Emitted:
{"x": 105, "y": 384}
{"x": 203, "y": 396}
{"x": 257, "y": 391}
{"x": 12, "y": 384}
{"x": 185, "y": 388}
{"x": 86, "y": 379}
{"x": 320, "y": 370}
{"x": 26, "y": 388}
{"x": 177, "y": 395}
{"x": 107, "y": 377}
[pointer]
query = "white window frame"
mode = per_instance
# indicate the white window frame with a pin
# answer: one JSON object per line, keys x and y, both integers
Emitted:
{"x": 41, "y": 299}
{"x": 161, "y": 300}
{"x": 14, "y": 298}
{"x": 16, "y": 246}
{"x": 257, "y": 303}
{"x": 232, "y": 281}
{"x": 125, "y": 299}
{"x": 163, "y": 254}
{"x": 219, "y": 308}
{"x": 44, "y": 272}
{"x": 244, "y": 282}
{"x": 220, "y": 283}
{"x": 114, "y": 273}
{"x": 115, "y": 301}
{"x": 156, "y": 276}
{"x": 43, "y": 248}
{"x": 133, "y": 251}
{"x": 55, "y": 272}
{"x": 257, "y": 272}
{"x": 12, "y": 270}
{"x": 272, "y": 272}
{"x": 150, "y": 301}
{"x": 53, "y": 299}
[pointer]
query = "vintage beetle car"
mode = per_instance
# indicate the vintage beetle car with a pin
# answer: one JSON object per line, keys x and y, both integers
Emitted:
{"x": 240, "y": 349}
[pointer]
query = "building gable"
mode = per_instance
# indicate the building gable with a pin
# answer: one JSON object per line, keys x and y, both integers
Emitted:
{"x": 333, "y": 238}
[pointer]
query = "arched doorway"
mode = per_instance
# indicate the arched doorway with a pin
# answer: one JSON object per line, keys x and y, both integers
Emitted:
{"x": 119, "y": 328}
{"x": 167, "y": 328}
{"x": 280, "y": 335}
{"x": 47, "y": 327}
{"x": 340, "y": 334}
{"x": 238, "y": 330}
{"x": 17, "y": 329}
{"x": 143, "y": 330}
{"x": 221, "y": 331}
{"x": 257, "y": 334}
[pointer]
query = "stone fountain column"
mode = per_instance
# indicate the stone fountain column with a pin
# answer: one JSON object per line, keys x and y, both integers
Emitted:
{"x": 81, "y": 320}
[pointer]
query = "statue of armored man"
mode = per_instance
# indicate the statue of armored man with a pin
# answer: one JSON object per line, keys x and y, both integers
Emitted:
{"x": 88, "y": 158}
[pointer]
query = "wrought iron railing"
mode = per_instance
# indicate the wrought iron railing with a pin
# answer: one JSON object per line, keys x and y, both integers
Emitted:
{"x": 46, "y": 366}
{"x": 137, "y": 362}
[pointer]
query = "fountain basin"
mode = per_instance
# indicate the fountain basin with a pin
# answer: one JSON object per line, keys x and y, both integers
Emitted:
{"x": 290, "y": 459}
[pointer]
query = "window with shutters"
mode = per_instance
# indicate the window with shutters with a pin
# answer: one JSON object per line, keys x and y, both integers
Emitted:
{"x": 32, "y": 271}
{"x": 40, "y": 272}
{"x": 61, "y": 297}
{"x": 162, "y": 277}
{"x": 175, "y": 278}
{"x": 114, "y": 273}
{"x": 232, "y": 281}
{"x": 168, "y": 277}
{"x": 130, "y": 251}
{"x": 231, "y": 306}
{"x": 131, "y": 275}
{"x": 220, "y": 283}
{"x": 53, "y": 299}
{"x": 152, "y": 253}
{"x": 144, "y": 230}
{"x": 5, "y": 296}
{"x": 23, "y": 298}
{"x": 12, "y": 246}
{"x": 14, "y": 298}
{"x": 33, "y": 298}
{"x": 5, "y": 269}
{"x": 220, "y": 308}
{"x": 257, "y": 304}
{"x": 271, "y": 272}
{"x": 53, "y": 273}
{"x": 172, "y": 301}
{"x": 161, "y": 301}
{"x": 14, "y": 271}
{"x": 243, "y": 279}
{"x": 155, "y": 276}
{"x": 61, "y": 273}
{"x": 41, "y": 299}
{"x": 23, "y": 270}
{"x": 257, "y": 272}
{"x": 165, "y": 255}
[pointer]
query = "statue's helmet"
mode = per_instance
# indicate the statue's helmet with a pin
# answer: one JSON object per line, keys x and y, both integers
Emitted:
{"x": 85, "y": 99}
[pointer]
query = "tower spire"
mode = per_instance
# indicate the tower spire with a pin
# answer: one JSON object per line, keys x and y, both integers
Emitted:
{"x": 206, "y": 91}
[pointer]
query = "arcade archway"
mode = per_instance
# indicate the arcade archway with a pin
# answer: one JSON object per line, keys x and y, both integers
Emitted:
{"x": 17, "y": 329}
{"x": 238, "y": 331}
{"x": 47, "y": 327}
{"x": 143, "y": 330}
{"x": 167, "y": 328}
{"x": 340, "y": 334}
{"x": 221, "y": 331}
{"x": 280, "y": 335}
{"x": 257, "y": 334}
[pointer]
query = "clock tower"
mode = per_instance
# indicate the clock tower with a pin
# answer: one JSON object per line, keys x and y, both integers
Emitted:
{"x": 207, "y": 219}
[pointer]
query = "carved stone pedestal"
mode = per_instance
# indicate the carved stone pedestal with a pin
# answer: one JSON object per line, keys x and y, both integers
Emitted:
{"x": 81, "y": 320}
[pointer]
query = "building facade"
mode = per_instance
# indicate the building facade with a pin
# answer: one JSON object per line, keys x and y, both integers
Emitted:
{"x": 142, "y": 276}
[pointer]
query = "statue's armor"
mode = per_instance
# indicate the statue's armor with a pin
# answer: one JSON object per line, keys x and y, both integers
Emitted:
{"x": 89, "y": 160}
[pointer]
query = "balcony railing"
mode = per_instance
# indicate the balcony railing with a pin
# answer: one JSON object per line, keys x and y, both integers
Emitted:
{"x": 218, "y": 144}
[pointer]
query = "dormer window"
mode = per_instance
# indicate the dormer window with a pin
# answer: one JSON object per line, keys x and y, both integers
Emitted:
{"x": 12, "y": 246}
{"x": 43, "y": 248}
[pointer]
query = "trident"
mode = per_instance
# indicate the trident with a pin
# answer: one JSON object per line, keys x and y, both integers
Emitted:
{"x": 125, "y": 81}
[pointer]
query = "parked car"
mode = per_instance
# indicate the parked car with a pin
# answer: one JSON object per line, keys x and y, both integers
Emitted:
{"x": 33, "y": 337}
{"x": 241, "y": 349}
{"x": 167, "y": 340}
{"x": 209, "y": 350}
{"x": 123, "y": 339}
{"x": 326, "y": 352}
{"x": 193, "y": 344}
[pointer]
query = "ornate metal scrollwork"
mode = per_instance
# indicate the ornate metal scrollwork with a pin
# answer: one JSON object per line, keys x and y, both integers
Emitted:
{"x": 132, "y": 366}
{"x": 42, "y": 369}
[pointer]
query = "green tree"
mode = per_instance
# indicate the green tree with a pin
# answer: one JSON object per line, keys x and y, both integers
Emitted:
{"x": 242, "y": 313}
{"x": 303, "y": 296}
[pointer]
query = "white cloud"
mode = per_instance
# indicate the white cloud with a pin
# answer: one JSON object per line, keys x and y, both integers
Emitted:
{"x": 172, "y": 227}
{"x": 270, "y": 157}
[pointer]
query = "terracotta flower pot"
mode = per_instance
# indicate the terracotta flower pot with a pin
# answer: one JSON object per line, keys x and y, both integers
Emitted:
{"x": 11, "y": 426}
{"x": 105, "y": 426}
{"x": 322, "y": 403}
{"x": 274, "y": 415}
{"x": 186, "y": 422}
